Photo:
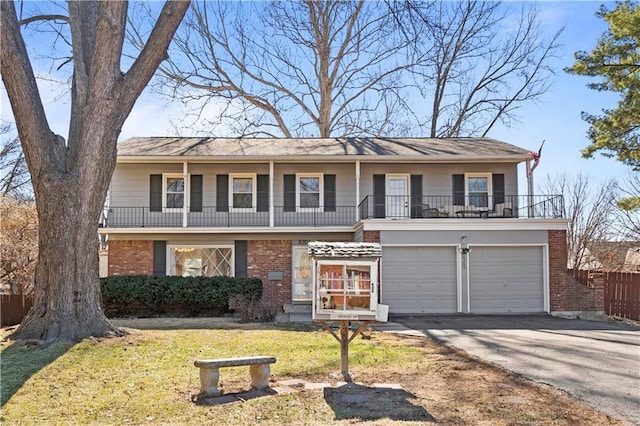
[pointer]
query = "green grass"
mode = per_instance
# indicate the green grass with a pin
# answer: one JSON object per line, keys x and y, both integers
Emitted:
{"x": 149, "y": 377}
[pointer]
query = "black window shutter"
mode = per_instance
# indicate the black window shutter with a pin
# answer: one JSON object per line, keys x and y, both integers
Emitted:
{"x": 241, "y": 259}
{"x": 263, "y": 193}
{"x": 498, "y": 188}
{"x": 159, "y": 258}
{"x": 379, "y": 196}
{"x": 416, "y": 195}
{"x": 155, "y": 193}
{"x": 289, "y": 193}
{"x": 329, "y": 193}
{"x": 222, "y": 193}
{"x": 196, "y": 193}
{"x": 458, "y": 190}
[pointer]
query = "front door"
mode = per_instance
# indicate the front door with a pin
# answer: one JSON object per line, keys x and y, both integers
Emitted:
{"x": 398, "y": 196}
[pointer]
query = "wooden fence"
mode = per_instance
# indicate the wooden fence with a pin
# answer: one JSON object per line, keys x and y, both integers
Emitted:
{"x": 13, "y": 308}
{"x": 621, "y": 292}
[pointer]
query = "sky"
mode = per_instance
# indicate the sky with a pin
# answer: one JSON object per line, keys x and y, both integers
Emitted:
{"x": 555, "y": 118}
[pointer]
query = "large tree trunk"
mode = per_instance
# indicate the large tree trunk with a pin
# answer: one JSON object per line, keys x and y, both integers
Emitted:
{"x": 70, "y": 179}
{"x": 67, "y": 294}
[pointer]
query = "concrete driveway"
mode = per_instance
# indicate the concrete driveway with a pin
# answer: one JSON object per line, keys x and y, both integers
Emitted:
{"x": 597, "y": 363}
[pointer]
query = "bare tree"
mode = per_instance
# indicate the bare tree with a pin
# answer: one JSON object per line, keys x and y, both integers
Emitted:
{"x": 14, "y": 175}
{"x": 629, "y": 207}
{"x": 591, "y": 211}
{"x": 293, "y": 69}
{"x": 71, "y": 177}
{"x": 18, "y": 244}
{"x": 480, "y": 67}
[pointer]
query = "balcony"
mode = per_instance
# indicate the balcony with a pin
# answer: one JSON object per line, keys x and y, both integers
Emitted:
{"x": 479, "y": 206}
{"x": 142, "y": 217}
{"x": 440, "y": 207}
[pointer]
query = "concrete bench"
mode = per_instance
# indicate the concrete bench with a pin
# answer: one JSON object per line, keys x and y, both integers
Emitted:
{"x": 258, "y": 368}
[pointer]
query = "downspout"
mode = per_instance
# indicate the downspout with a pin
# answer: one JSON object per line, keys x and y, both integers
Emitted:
{"x": 529, "y": 189}
{"x": 535, "y": 156}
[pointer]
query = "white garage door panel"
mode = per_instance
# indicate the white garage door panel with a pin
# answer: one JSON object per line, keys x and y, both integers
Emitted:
{"x": 419, "y": 279}
{"x": 506, "y": 280}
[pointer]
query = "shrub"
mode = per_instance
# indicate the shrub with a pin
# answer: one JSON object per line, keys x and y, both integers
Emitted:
{"x": 145, "y": 295}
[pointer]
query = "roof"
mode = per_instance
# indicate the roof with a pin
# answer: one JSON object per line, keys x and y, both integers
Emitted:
{"x": 443, "y": 149}
{"x": 344, "y": 250}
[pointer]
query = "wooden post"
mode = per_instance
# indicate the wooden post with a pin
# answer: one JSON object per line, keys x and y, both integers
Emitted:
{"x": 344, "y": 340}
{"x": 344, "y": 350}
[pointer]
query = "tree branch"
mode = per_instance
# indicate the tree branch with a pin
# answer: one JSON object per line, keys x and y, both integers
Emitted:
{"x": 31, "y": 19}
{"x": 41, "y": 147}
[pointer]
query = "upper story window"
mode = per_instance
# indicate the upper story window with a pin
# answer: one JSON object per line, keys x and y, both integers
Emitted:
{"x": 174, "y": 191}
{"x": 243, "y": 191}
{"x": 309, "y": 191}
{"x": 478, "y": 189}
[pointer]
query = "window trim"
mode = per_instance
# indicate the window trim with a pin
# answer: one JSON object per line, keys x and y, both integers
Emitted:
{"x": 320, "y": 177}
{"x": 186, "y": 194}
{"x": 487, "y": 175}
{"x": 170, "y": 265}
{"x": 254, "y": 192}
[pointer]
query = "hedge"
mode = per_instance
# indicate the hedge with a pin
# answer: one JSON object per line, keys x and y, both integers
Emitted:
{"x": 145, "y": 295}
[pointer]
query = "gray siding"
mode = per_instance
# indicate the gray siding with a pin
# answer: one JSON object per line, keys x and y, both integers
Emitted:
{"x": 130, "y": 182}
{"x": 345, "y": 180}
{"x": 473, "y": 237}
{"x": 437, "y": 177}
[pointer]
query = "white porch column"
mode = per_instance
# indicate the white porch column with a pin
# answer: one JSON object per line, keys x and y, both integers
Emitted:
{"x": 187, "y": 202}
{"x": 271, "y": 208}
{"x": 357, "y": 190}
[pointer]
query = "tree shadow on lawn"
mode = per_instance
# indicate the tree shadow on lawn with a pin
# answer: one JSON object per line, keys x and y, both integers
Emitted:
{"x": 207, "y": 323}
{"x": 359, "y": 402}
{"x": 21, "y": 360}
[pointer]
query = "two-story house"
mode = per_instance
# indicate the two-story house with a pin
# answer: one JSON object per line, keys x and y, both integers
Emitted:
{"x": 456, "y": 235}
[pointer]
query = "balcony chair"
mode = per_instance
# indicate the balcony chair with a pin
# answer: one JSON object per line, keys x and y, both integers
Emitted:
{"x": 432, "y": 212}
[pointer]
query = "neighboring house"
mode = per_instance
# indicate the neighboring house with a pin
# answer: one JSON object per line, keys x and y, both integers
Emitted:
{"x": 456, "y": 235}
{"x": 632, "y": 260}
{"x": 588, "y": 261}
{"x": 612, "y": 256}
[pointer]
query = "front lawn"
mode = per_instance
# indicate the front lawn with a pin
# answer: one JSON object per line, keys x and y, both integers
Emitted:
{"x": 148, "y": 377}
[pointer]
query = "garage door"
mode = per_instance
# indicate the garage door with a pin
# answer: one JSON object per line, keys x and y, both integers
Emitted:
{"x": 419, "y": 280}
{"x": 506, "y": 280}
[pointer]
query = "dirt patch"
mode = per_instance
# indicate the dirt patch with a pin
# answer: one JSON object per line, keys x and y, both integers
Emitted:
{"x": 455, "y": 387}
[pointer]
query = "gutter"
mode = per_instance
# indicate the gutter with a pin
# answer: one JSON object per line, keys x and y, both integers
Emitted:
{"x": 323, "y": 158}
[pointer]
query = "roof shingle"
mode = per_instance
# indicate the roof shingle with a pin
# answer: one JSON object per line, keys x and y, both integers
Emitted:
{"x": 344, "y": 250}
{"x": 323, "y": 147}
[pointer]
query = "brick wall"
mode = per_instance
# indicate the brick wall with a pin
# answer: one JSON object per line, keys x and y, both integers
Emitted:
{"x": 371, "y": 236}
{"x": 130, "y": 257}
{"x": 264, "y": 256}
{"x": 565, "y": 292}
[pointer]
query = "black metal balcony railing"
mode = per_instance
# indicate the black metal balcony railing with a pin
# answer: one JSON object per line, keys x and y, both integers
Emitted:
{"x": 388, "y": 207}
{"x": 140, "y": 217}
{"x": 460, "y": 206}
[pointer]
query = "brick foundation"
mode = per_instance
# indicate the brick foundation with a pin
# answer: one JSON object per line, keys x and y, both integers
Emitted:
{"x": 130, "y": 257}
{"x": 264, "y": 256}
{"x": 566, "y": 294}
